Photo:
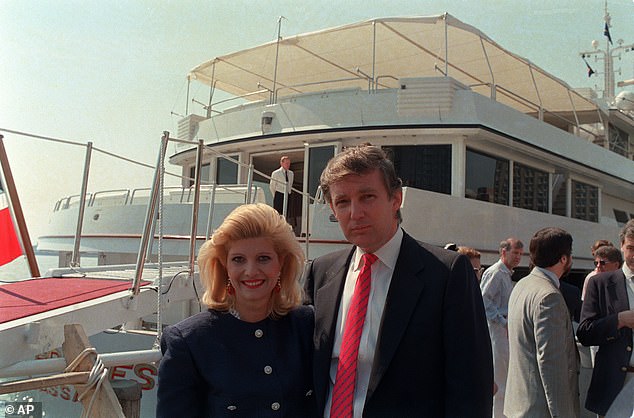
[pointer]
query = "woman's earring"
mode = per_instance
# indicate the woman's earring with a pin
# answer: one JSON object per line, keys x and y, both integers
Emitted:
{"x": 230, "y": 289}
{"x": 278, "y": 286}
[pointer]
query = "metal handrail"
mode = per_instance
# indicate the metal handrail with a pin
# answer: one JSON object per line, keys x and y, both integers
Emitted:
{"x": 538, "y": 108}
{"x": 93, "y": 198}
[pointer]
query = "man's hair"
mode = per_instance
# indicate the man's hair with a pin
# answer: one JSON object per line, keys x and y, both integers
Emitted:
{"x": 600, "y": 243}
{"x": 627, "y": 231}
{"x": 509, "y": 244}
{"x": 284, "y": 157}
{"x": 469, "y": 252}
{"x": 548, "y": 245}
{"x": 610, "y": 253}
{"x": 360, "y": 160}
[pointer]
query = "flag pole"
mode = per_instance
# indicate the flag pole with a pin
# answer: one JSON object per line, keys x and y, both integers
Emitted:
{"x": 14, "y": 203}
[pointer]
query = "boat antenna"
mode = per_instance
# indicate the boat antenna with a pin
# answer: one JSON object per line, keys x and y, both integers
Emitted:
{"x": 277, "y": 53}
{"x": 607, "y": 55}
{"x": 189, "y": 82}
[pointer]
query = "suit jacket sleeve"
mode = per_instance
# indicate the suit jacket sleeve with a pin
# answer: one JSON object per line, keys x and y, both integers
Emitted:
{"x": 550, "y": 316}
{"x": 468, "y": 357}
{"x": 597, "y": 326}
{"x": 180, "y": 386}
{"x": 307, "y": 281}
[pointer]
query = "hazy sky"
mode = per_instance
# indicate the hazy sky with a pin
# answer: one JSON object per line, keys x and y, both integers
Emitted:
{"x": 111, "y": 72}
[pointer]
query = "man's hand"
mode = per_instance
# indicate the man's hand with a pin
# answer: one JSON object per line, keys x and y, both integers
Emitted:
{"x": 626, "y": 319}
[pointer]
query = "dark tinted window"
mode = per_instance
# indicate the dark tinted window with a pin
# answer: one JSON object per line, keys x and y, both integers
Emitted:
{"x": 204, "y": 174}
{"x": 621, "y": 217}
{"x": 487, "y": 178}
{"x": 226, "y": 171}
{"x": 559, "y": 194}
{"x": 426, "y": 167}
{"x": 585, "y": 201}
{"x": 530, "y": 188}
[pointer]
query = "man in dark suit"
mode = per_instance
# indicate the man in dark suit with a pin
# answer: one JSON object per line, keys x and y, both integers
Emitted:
{"x": 607, "y": 320}
{"x": 424, "y": 348}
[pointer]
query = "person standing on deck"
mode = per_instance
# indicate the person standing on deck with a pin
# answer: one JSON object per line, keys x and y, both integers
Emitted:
{"x": 543, "y": 358}
{"x": 281, "y": 183}
{"x": 496, "y": 286}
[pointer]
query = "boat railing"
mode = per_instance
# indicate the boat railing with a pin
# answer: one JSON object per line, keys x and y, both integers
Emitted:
{"x": 121, "y": 195}
{"x": 314, "y": 83}
{"x": 541, "y": 111}
{"x": 242, "y": 96}
{"x": 374, "y": 84}
{"x": 67, "y": 202}
{"x": 172, "y": 195}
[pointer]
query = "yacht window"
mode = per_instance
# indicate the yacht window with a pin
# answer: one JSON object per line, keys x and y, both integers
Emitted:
{"x": 585, "y": 201}
{"x": 426, "y": 167}
{"x": 560, "y": 194}
{"x": 618, "y": 140}
{"x": 530, "y": 188}
{"x": 226, "y": 171}
{"x": 204, "y": 174}
{"x": 487, "y": 178}
{"x": 621, "y": 217}
{"x": 317, "y": 159}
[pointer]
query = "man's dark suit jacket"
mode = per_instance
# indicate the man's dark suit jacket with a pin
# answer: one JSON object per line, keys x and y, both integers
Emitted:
{"x": 606, "y": 296}
{"x": 572, "y": 297}
{"x": 433, "y": 355}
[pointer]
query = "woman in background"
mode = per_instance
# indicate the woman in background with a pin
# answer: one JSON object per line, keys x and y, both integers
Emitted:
{"x": 250, "y": 354}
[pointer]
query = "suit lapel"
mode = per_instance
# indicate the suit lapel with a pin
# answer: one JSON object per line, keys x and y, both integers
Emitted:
{"x": 330, "y": 295}
{"x": 405, "y": 290}
{"x": 618, "y": 292}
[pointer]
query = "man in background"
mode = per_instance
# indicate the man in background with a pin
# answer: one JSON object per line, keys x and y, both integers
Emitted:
{"x": 281, "y": 183}
{"x": 543, "y": 360}
{"x": 607, "y": 320}
{"x": 496, "y": 286}
{"x": 597, "y": 244}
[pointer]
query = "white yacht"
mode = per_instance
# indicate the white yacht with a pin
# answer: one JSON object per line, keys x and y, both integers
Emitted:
{"x": 488, "y": 145}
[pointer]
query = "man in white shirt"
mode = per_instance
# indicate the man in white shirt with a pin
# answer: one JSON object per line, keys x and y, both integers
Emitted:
{"x": 496, "y": 286}
{"x": 281, "y": 183}
{"x": 423, "y": 344}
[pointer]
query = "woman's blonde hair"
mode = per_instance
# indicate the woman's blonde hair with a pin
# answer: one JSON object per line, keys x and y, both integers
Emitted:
{"x": 252, "y": 221}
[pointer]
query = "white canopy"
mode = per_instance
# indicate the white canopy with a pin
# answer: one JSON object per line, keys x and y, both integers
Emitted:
{"x": 376, "y": 53}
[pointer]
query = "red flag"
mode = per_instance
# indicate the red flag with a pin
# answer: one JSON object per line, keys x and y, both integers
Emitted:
{"x": 10, "y": 248}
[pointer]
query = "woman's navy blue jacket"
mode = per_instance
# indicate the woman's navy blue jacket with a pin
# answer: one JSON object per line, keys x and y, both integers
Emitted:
{"x": 215, "y": 365}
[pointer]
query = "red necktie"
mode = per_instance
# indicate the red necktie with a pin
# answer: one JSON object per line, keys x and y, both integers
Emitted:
{"x": 343, "y": 392}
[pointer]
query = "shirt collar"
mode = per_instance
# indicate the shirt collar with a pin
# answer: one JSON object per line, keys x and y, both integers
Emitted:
{"x": 628, "y": 273}
{"x": 387, "y": 254}
{"x": 504, "y": 267}
{"x": 552, "y": 276}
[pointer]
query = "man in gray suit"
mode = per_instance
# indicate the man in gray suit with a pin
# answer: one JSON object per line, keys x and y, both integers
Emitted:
{"x": 543, "y": 357}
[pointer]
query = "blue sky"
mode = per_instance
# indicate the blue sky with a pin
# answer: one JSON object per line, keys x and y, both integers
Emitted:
{"x": 111, "y": 72}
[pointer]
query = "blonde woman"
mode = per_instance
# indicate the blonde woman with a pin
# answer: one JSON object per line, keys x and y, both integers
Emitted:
{"x": 250, "y": 353}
